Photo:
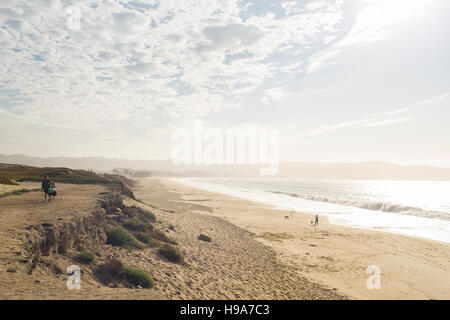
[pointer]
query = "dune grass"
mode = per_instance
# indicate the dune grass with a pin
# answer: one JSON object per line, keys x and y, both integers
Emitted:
{"x": 137, "y": 277}
{"x": 5, "y": 180}
{"x": 160, "y": 236}
{"x": 18, "y": 192}
{"x": 86, "y": 257}
{"x": 109, "y": 271}
{"x": 145, "y": 237}
{"x": 136, "y": 224}
{"x": 120, "y": 237}
{"x": 171, "y": 253}
{"x": 115, "y": 271}
{"x": 148, "y": 215}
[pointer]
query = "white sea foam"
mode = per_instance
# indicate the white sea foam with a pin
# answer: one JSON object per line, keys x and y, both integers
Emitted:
{"x": 363, "y": 209}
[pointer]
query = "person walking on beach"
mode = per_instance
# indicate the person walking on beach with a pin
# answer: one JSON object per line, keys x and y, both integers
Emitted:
{"x": 316, "y": 220}
{"x": 46, "y": 184}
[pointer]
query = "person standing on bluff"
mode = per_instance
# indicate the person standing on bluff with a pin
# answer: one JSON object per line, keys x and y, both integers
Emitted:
{"x": 46, "y": 184}
{"x": 316, "y": 221}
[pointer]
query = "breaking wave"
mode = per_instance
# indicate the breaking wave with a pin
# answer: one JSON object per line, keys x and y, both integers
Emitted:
{"x": 373, "y": 205}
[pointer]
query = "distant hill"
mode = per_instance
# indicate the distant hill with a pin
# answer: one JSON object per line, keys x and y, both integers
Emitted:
{"x": 305, "y": 170}
{"x": 20, "y": 173}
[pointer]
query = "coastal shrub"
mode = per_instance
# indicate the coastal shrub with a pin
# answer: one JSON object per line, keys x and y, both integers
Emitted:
{"x": 158, "y": 235}
{"x": 131, "y": 212}
{"x": 136, "y": 224}
{"x": 7, "y": 181}
{"x": 153, "y": 243}
{"x": 114, "y": 271}
{"x": 148, "y": 215}
{"x": 137, "y": 277}
{"x": 122, "y": 238}
{"x": 86, "y": 257}
{"x": 146, "y": 238}
{"x": 171, "y": 253}
{"x": 143, "y": 237}
{"x": 17, "y": 192}
{"x": 111, "y": 200}
{"x": 126, "y": 191}
{"x": 110, "y": 271}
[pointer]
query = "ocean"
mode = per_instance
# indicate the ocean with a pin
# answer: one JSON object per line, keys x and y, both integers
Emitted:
{"x": 417, "y": 208}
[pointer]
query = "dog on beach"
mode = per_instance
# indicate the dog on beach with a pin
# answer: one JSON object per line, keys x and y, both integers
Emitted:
{"x": 288, "y": 216}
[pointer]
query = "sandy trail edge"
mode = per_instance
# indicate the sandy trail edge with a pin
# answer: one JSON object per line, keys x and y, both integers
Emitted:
{"x": 338, "y": 256}
{"x": 233, "y": 266}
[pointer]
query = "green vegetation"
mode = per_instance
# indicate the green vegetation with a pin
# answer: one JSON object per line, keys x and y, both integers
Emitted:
{"x": 153, "y": 243}
{"x": 158, "y": 235}
{"x": 171, "y": 253}
{"x": 145, "y": 237}
{"x": 122, "y": 238}
{"x": 86, "y": 257}
{"x": 115, "y": 270}
{"x": 109, "y": 271}
{"x": 137, "y": 277}
{"x": 17, "y": 192}
{"x": 137, "y": 221}
{"x": 135, "y": 224}
{"x": 148, "y": 215}
{"x": 5, "y": 180}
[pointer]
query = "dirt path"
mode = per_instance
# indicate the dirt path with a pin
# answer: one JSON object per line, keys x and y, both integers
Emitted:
{"x": 19, "y": 212}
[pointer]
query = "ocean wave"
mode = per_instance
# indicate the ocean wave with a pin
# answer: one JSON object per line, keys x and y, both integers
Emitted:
{"x": 373, "y": 205}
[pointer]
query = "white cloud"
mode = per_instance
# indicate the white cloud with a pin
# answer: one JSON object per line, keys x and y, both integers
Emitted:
{"x": 233, "y": 35}
{"x": 333, "y": 127}
{"x": 147, "y": 63}
{"x": 387, "y": 122}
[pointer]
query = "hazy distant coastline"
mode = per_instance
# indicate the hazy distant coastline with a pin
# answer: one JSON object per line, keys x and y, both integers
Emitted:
{"x": 306, "y": 170}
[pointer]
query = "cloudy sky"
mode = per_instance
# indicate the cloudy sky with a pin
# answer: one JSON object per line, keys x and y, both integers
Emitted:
{"x": 342, "y": 80}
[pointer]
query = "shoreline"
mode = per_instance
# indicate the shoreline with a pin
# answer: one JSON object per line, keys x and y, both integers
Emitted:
{"x": 332, "y": 218}
{"x": 255, "y": 252}
{"x": 336, "y": 255}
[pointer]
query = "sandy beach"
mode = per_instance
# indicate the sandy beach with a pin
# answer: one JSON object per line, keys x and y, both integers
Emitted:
{"x": 336, "y": 256}
{"x": 234, "y": 265}
{"x": 256, "y": 252}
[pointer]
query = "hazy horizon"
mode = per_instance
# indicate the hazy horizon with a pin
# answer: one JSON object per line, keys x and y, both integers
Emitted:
{"x": 342, "y": 81}
{"x": 295, "y": 170}
{"x": 244, "y": 164}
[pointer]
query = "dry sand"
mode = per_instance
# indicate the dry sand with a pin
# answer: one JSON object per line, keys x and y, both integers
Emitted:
{"x": 337, "y": 256}
{"x": 233, "y": 266}
{"x": 255, "y": 253}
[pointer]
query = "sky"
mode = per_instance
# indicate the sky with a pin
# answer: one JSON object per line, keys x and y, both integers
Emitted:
{"x": 342, "y": 80}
